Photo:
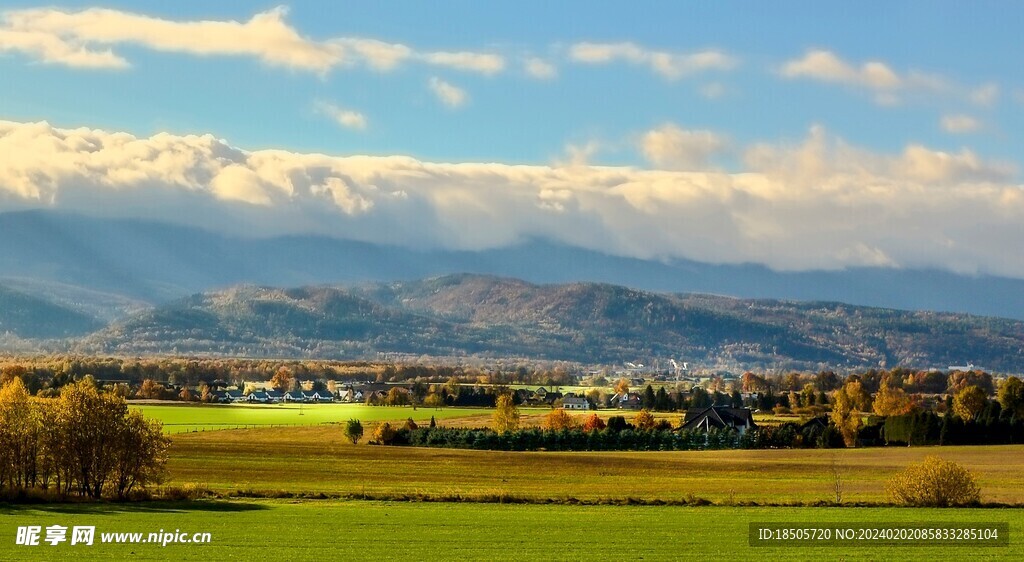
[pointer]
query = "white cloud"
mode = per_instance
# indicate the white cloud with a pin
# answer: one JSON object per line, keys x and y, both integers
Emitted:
{"x": 827, "y": 67}
{"x": 539, "y": 68}
{"x": 347, "y": 118}
{"x": 958, "y": 124}
{"x": 85, "y": 39}
{"x": 477, "y": 62}
{"x": 52, "y": 49}
{"x": 817, "y": 203}
{"x": 670, "y": 147}
{"x": 448, "y": 94}
{"x": 985, "y": 95}
{"x": 669, "y": 65}
{"x": 887, "y": 86}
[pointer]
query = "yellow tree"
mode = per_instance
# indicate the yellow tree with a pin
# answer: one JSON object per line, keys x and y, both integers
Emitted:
{"x": 282, "y": 380}
{"x": 622, "y": 386}
{"x": 1011, "y": 396}
{"x": 559, "y": 419}
{"x": 969, "y": 402}
{"x": 150, "y": 389}
{"x": 506, "y": 414}
{"x": 644, "y": 420}
{"x": 891, "y": 401}
{"x": 845, "y": 414}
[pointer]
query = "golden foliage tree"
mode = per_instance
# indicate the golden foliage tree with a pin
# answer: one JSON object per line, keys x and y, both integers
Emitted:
{"x": 83, "y": 442}
{"x": 593, "y": 423}
{"x": 1011, "y": 396}
{"x": 559, "y": 419}
{"x": 506, "y": 414}
{"x": 644, "y": 420}
{"x": 934, "y": 483}
{"x": 969, "y": 402}
{"x": 845, "y": 414}
{"x": 891, "y": 401}
{"x": 622, "y": 386}
{"x": 282, "y": 380}
{"x": 383, "y": 434}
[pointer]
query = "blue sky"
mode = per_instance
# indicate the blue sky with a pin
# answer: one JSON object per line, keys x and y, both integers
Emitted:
{"x": 840, "y": 100}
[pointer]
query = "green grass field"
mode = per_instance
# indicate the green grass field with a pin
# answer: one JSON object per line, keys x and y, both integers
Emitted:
{"x": 183, "y": 418}
{"x": 180, "y": 418}
{"x": 356, "y": 530}
{"x": 317, "y": 459}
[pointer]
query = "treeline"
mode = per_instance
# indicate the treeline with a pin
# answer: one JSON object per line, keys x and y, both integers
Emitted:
{"x": 993, "y": 427}
{"x": 52, "y": 373}
{"x": 83, "y": 443}
{"x": 564, "y": 432}
{"x": 579, "y": 439}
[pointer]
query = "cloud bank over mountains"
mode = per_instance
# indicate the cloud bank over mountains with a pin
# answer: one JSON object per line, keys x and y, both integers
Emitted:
{"x": 818, "y": 203}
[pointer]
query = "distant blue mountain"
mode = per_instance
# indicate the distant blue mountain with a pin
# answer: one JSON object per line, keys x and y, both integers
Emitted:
{"x": 158, "y": 262}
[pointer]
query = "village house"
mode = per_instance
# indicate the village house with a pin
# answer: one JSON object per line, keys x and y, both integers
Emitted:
{"x": 573, "y": 402}
{"x": 627, "y": 401}
{"x": 720, "y": 417}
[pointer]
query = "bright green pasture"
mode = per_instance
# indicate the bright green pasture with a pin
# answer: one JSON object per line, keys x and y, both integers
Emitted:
{"x": 318, "y": 459}
{"x": 191, "y": 417}
{"x": 356, "y": 530}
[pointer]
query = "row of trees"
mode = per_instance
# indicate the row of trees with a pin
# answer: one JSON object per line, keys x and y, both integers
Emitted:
{"x": 83, "y": 443}
{"x": 970, "y": 405}
{"x": 54, "y": 372}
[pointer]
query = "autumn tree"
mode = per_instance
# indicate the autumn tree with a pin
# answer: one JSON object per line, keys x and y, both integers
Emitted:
{"x": 622, "y": 386}
{"x": 354, "y": 431}
{"x": 383, "y": 434}
{"x": 140, "y": 453}
{"x": 969, "y": 402}
{"x": 506, "y": 414}
{"x": 18, "y": 436}
{"x": 150, "y": 389}
{"x": 397, "y": 397}
{"x": 559, "y": 419}
{"x": 892, "y": 401}
{"x": 433, "y": 400}
{"x": 934, "y": 483}
{"x": 1011, "y": 396}
{"x": 644, "y": 420}
{"x": 846, "y": 415}
{"x": 593, "y": 423}
{"x": 282, "y": 380}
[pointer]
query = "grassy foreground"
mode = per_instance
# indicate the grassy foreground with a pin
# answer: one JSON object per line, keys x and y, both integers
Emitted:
{"x": 356, "y": 530}
{"x": 316, "y": 459}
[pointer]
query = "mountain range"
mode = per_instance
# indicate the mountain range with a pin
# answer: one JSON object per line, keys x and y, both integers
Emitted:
{"x": 92, "y": 285}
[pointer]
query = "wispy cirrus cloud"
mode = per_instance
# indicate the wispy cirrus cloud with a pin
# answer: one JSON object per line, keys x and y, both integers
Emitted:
{"x": 670, "y": 65}
{"x": 87, "y": 39}
{"x": 818, "y": 203}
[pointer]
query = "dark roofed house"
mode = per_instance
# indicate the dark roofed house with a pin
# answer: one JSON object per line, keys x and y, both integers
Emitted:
{"x": 629, "y": 402}
{"x": 324, "y": 396}
{"x": 294, "y": 396}
{"x": 721, "y": 417}
{"x": 275, "y": 395}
